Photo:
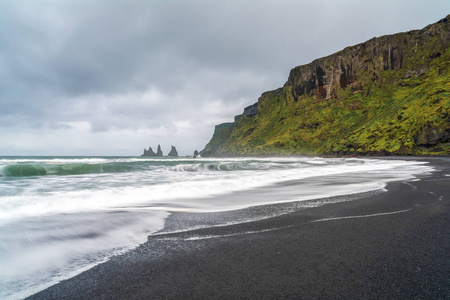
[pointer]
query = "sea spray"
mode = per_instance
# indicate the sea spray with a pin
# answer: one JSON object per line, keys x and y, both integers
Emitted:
{"x": 62, "y": 215}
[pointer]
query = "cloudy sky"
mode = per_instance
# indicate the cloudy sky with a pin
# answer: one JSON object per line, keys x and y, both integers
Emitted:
{"x": 110, "y": 77}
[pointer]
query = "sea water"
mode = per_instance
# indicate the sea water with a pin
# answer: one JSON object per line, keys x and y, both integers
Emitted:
{"x": 60, "y": 216}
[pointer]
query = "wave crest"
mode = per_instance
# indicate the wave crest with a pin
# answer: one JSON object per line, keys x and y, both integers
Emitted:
{"x": 222, "y": 166}
{"x": 198, "y": 167}
{"x": 27, "y": 170}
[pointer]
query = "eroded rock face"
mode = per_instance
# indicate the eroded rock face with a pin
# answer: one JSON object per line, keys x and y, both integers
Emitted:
{"x": 386, "y": 95}
{"x": 251, "y": 110}
{"x": 149, "y": 152}
{"x": 159, "y": 152}
{"x": 173, "y": 152}
{"x": 221, "y": 133}
{"x": 431, "y": 136}
{"x": 352, "y": 66}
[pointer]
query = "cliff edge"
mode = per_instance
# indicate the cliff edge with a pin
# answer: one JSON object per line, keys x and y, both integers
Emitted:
{"x": 390, "y": 94}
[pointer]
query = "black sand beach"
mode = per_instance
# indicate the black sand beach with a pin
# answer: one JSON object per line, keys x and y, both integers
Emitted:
{"x": 386, "y": 245}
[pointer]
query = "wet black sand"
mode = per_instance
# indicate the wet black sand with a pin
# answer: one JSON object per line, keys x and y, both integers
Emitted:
{"x": 390, "y": 245}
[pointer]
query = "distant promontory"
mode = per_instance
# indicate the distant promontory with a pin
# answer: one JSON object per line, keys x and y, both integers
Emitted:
{"x": 389, "y": 95}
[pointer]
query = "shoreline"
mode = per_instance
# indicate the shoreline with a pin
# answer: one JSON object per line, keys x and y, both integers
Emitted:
{"x": 387, "y": 245}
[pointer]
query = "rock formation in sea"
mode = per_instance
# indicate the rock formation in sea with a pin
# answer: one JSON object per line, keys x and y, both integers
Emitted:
{"x": 388, "y": 95}
{"x": 158, "y": 151}
{"x": 196, "y": 154}
{"x": 150, "y": 152}
{"x": 173, "y": 152}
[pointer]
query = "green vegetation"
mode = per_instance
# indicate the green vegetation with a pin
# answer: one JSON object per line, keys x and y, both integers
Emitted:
{"x": 404, "y": 111}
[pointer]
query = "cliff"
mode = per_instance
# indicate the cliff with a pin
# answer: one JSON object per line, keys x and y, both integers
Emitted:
{"x": 390, "y": 94}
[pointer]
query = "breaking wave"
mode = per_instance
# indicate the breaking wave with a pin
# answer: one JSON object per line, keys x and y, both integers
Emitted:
{"x": 19, "y": 168}
{"x": 62, "y": 215}
{"x": 26, "y": 170}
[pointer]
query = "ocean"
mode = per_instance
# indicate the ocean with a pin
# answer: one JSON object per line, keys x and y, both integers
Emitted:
{"x": 60, "y": 216}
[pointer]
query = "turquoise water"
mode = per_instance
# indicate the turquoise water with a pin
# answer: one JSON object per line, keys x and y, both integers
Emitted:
{"x": 62, "y": 215}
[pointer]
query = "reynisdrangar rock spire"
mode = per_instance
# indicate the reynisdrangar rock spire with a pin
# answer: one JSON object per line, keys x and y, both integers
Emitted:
{"x": 173, "y": 152}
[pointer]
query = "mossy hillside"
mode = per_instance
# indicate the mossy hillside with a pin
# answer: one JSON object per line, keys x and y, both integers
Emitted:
{"x": 389, "y": 94}
{"x": 221, "y": 133}
{"x": 386, "y": 116}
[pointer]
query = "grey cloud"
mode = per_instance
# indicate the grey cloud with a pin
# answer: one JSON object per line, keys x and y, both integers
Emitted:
{"x": 97, "y": 62}
{"x": 118, "y": 46}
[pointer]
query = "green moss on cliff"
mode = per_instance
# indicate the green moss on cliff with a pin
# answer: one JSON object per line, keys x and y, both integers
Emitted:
{"x": 398, "y": 110}
{"x": 221, "y": 133}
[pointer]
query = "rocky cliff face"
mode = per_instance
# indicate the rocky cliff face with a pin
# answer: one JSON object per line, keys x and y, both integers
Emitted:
{"x": 353, "y": 66}
{"x": 390, "y": 94}
{"x": 221, "y": 134}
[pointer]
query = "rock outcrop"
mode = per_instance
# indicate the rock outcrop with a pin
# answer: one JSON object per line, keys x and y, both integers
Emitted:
{"x": 150, "y": 152}
{"x": 158, "y": 151}
{"x": 173, "y": 152}
{"x": 221, "y": 134}
{"x": 390, "y": 94}
{"x": 355, "y": 65}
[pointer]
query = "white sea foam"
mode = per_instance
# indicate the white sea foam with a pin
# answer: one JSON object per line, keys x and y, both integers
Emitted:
{"x": 179, "y": 190}
{"x": 36, "y": 253}
{"x": 58, "y": 223}
{"x": 363, "y": 216}
{"x": 206, "y": 237}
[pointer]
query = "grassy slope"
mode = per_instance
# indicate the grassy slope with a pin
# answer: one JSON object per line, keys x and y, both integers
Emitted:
{"x": 391, "y": 115}
{"x": 403, "y": 111}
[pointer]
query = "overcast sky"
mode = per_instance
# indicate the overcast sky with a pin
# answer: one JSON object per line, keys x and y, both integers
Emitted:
{"x": 112, "y": 77}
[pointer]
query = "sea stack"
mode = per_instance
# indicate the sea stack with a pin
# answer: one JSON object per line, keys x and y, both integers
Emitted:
{"x": 173, "y": 152}
{"x": 159, "y": 152}
{"x": 150, "y": 152}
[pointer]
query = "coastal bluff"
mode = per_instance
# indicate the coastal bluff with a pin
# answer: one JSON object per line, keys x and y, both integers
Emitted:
{"x": 388, "y": 95}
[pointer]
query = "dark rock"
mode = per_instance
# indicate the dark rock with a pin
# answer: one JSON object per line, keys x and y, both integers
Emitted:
{"x": 173, "y": 152}
{"x": 402, "y": 150}
{"x": 149, "y": 152}
{"x": 347, "y": 68}
{"x": 251, "y": 110}
{"x": 207, "y": 153}
{"x": 221, "y": 133}
{"x": 431, "y": 136}
{"x": 378, "y": 153}
{"x": 196, "y": 154}
{"x": 159, "y": 152}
